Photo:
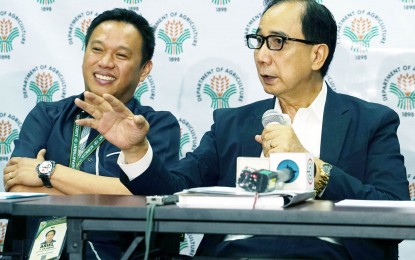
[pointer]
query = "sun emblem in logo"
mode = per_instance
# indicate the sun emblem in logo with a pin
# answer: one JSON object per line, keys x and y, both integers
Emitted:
{"x": 404, "y": 89}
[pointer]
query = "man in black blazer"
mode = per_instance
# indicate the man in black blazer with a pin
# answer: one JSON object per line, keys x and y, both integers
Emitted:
{"x": 354, "y": 143}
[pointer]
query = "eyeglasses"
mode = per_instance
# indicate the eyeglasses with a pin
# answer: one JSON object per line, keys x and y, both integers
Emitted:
{"x": 274, "y": 42}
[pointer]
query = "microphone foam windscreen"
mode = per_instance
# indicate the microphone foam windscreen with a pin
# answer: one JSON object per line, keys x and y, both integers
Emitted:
{"x": 272, "y": 116}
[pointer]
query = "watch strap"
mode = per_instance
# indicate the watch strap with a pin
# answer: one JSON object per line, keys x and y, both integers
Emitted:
{"x": 319, "y": 186}
{"x": 46, "y": 181}
{"x": 45, "y": 177}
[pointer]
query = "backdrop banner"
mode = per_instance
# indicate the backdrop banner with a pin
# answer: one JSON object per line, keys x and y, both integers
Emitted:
{"x": 201, "y": 61}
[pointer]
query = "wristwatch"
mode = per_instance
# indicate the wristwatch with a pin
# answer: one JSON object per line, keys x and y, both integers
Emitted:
{"x": 325, "y": 169}
{"x": 44, "y": 171}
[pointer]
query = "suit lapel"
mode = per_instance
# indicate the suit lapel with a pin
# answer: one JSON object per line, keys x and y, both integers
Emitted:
{"x": 335, "y": 125}
{"x": 253, "y": 126}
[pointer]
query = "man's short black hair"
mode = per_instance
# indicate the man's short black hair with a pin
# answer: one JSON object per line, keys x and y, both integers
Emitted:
{"x": 52, "y": 230}
{"x": 318, "y": 25}
{"x": 130, "y": 17}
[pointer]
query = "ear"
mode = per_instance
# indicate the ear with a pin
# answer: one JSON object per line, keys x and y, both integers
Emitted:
{"x": 146, "y": 69}
{"x": 319, "y": 55}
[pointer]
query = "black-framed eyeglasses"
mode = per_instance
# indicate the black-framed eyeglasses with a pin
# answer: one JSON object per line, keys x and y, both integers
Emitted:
{"x": 274, "y": 42}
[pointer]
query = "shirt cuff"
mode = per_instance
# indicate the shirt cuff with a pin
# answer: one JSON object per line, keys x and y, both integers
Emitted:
{"x": 133, "y": 170}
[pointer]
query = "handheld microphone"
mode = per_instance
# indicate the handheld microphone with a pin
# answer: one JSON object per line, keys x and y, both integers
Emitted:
{"x": 272, "y": 116}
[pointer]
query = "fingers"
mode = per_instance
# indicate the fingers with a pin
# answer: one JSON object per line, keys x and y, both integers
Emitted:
{"x": 8, "y": 180}
{"x": 41, "y": 155}
{"x": 116, "y": 104}
{"x": 92, "y": 104}
{"x": 258, "y": 138}
{"x": 141, "y": 122}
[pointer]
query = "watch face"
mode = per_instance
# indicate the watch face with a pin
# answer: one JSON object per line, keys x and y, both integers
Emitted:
{"x": 45, "y": 167}
{"x": 326, "y": 168}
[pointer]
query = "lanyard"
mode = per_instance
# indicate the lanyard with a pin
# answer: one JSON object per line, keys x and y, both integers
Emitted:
{"x": 77, "y": 159}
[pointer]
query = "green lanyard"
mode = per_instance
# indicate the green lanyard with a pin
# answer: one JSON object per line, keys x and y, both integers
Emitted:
{"x": 76, "y": 159}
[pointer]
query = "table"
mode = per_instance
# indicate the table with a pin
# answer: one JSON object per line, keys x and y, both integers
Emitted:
{"x": 128, "y": 213}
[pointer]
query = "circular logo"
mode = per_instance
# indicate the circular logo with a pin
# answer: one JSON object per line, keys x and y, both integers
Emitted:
{"x": 44, "y": 81}
{"x": 79, "y": 26}
{"x": 399, "y": 87}
{"x": 10, "y": 127}
{"x": 291, "y": 165}
{"x": 11, "y": 27}
{"x": 220, "y": 84}
{"x": 188, "y": 137}
{"x": 176, "y": 30}
{"x": 359, "y": 30}
{"x": 145, "y": 86}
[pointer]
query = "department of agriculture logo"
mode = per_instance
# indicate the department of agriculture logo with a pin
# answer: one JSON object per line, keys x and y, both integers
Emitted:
{"x": 46, "y": 5}
{"x": 145, "y": 86}
{"x": 190, "y": 243}
{"x": 330, "y": 82}
{"x": 409, "y": 4}
{"x": 360, "y": 30}
{"x": 252, "y": 26}
{"x": 177, "y": 31}
{"x": 79, "y": 26}
{"x": 220, "y": 84}
{"x": 188, "y": 138}
{"x": 46, "y": 82}
{"x": 221, "y": 5}
{"x": 399, "y": 86}
{"x": 10, "y": 126}
{"x": 11, "y": 27}
{"x": 133, "y": 4}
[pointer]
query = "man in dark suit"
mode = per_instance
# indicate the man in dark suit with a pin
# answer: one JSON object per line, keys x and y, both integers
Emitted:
{"x": 354, "y": 143}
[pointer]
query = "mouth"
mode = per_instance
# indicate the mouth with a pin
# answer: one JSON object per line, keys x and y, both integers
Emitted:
{"x": 104, "y": 77}
{"x": 268, "y": 78}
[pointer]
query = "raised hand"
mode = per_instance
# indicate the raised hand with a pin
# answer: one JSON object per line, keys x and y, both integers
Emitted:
{"x": 113, "y": 120}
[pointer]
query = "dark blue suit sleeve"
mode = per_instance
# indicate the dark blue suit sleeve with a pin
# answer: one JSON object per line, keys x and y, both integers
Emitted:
{"x": 164, "y": 136}
{"x": 34, "y": 134}
{"x": 198, "y": 168}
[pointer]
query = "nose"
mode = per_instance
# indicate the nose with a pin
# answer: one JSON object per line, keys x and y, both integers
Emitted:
{"x": 106, "y": 61}
{"x": 263, "y": 55}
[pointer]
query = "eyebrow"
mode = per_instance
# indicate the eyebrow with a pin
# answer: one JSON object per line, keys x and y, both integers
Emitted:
{"x": 279, "y": 33}
{"x": 118, "y": 47}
